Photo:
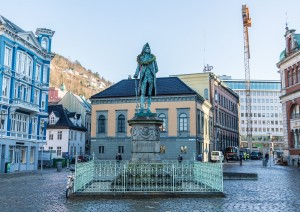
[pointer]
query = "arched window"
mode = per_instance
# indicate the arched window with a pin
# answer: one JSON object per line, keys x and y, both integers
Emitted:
{"x": 162, "y": 116}
{"x": 121, "y": 123}
{"x": 101, "y": 124}
{"x": 44, "y": 43}
{"x": 183, "y": 124}
{"x": 296, "y": 112}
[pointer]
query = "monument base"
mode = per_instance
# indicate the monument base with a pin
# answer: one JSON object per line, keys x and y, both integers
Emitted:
{"x": 145, "y": 135}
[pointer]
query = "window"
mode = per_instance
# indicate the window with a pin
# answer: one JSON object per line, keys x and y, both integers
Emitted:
{"x": 34, "y": 125}
{"x": 43, "y": 102}
{"x": 59, "y": 135}
{"x": 296, "y": 112}
{"x": 44, "y": 43}
{"x": 5, "y": 87}
{"x": 7, "y": 56}
{"x": 24, "y": 64}
{"x": 52, "y": 120}
{"x": 183, "y": 149}
{"x": 28, "y": 93}
{"x": 121, "y": 123}
{"x": 28, "y": 66}
{"x": 120, "y": 149}
{"x": 59, "y": 151}
{"x": 19, "y": 122}
{"x": 183, "y": 122}
{"x": 101, "y": 124}
{"x": 101, "y": 149}
{"x": 50, "y": 135}
{"x": 45, "y": 74}
{"x": 206, "y": 93}
{"x": 16, "y": 89}
{"x": 162, "y": 149}
{"x": 36, "y": 97}
{"x": 162, "y": 116}
{"x": 37, "y": 72}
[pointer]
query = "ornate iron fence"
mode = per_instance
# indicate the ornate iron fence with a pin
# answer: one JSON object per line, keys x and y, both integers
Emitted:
{"x": 99, "y": 176}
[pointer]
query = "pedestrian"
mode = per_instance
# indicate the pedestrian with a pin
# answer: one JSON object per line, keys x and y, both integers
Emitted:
{"x": 241, "y": 159}
{"x": 199, "y": 158}
{"x": 267, "y": 157}
{"x": 118, "y": 157}
{"x": 179, "y": 158}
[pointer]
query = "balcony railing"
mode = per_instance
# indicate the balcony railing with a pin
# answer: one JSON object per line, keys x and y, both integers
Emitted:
{"x": 4, "y": 99}
{"x": 26, "y": 106}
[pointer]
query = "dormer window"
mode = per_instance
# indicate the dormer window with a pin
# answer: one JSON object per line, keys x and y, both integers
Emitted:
{"x": 44, "y": 43}
{"x": 52, "y": 120}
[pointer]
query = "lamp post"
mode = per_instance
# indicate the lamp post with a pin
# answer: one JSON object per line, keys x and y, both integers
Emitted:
{"x": 2, "y": 131}
{"x": 270, "y": 140}
{"x": 42, "y": 128}
{"x": 2, "y": 122}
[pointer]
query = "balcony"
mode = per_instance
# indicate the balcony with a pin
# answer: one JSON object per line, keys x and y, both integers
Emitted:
{"x": 4, "y": 100}
{"x": 24, "y": 106}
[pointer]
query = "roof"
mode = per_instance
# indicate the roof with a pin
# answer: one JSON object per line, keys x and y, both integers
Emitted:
{"x": 10, "y": 24}
{"x": 64, "y": 122}
{"x": 165, "y": 86}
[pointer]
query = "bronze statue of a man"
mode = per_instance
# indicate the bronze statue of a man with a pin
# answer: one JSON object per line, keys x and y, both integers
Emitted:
{"x": 147, "y": 67}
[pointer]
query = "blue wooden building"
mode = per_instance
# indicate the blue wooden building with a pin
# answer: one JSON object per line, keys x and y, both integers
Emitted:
{"x": 24, "y": 78}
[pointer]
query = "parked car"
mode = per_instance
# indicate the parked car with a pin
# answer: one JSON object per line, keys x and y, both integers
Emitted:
{"x": 256, "y": 155}
{"x": 217, "y": 156}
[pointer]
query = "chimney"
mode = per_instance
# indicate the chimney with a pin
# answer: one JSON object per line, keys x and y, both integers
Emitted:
{"x": 129, "y": 76}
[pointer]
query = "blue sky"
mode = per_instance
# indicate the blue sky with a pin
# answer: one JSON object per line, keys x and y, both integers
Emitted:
{"x": 107, "y": 35}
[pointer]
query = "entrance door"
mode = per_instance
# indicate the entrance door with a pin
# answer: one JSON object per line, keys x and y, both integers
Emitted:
{"x": 17, "y": 159}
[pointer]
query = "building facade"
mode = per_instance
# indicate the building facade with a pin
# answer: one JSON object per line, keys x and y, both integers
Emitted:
{"x": 186, "y": 129}
{"x": 66, "y": 134}
{"x": 24, "y": 79}
{"x": 81, "y": 106}
{"x": 289, "y": 69}
{"x": 225, "y": 106}
{"x": 266, "y": 112}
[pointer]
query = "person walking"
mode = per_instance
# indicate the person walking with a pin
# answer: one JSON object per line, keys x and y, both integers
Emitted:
{"x": 179, "y": 158}
{"x": 267, "y": 157}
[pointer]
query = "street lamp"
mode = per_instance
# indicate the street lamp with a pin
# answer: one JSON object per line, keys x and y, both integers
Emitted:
{"x": 3, "y": 113}
{"x": 269, "y": 134}
{"x": 42, "y": 128}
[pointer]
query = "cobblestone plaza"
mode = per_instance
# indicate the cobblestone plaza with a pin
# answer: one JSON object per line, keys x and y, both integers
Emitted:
{"x": 277, "y": 189}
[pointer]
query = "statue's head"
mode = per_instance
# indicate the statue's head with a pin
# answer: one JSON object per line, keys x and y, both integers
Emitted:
{"x": 146, "y": 49}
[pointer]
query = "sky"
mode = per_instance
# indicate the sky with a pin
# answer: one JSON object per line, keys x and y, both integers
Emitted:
{"x": 184, "y": 35}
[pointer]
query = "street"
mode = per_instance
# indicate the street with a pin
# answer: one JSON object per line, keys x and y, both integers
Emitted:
{"x": 277, "y": 189}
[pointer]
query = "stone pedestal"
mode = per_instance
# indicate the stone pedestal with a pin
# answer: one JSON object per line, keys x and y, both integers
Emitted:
{"x": 145, "y": 138}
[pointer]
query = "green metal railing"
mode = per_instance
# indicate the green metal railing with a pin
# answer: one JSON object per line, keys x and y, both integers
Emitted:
{"x": 99, "y": 176}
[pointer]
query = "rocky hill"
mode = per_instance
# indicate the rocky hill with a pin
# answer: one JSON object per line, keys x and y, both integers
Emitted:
{"x": 76, "y": 78}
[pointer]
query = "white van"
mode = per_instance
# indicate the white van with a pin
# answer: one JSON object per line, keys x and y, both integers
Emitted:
{"x": 216, "y": 156}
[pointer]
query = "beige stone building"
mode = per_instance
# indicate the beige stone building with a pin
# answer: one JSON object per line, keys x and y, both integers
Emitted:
{"x": 187, "y": 116}
{"x": 224, "y": 106}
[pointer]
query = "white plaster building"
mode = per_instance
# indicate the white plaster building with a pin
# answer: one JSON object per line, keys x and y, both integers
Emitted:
{"x": 65, "y": 134}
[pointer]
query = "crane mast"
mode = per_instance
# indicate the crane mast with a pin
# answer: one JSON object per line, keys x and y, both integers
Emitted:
{"x": 246, "y": 24}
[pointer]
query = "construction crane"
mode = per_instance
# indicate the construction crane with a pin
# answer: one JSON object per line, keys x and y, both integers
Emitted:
{"x": 246, "y": 24}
